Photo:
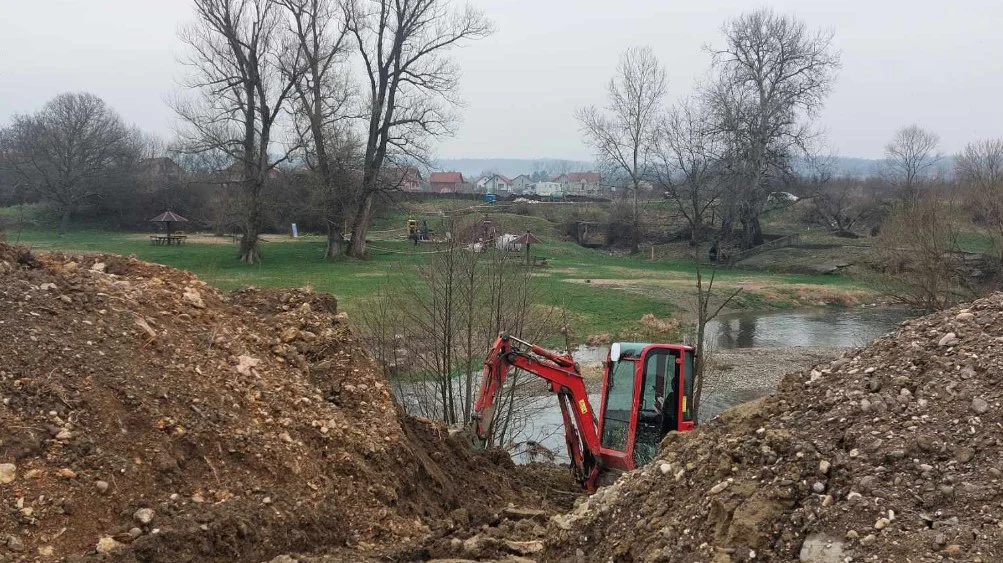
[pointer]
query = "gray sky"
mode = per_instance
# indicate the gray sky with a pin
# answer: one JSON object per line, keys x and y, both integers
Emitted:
{"x": 933, "y": 63}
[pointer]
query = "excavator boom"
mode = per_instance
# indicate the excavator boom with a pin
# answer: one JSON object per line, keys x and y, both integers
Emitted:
{"x": 561, "y": 372}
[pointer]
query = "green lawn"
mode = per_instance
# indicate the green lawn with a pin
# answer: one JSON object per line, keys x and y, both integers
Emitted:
{"x": 619, "y": 292}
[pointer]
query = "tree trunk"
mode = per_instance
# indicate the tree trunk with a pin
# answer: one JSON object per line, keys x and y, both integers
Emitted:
{"x": 360, "y": 225}
{"x": 698, "y": 363}
{"x": 752, "y": 232}
{"x": 696, "y": 232}
{"x": 335, "y": 240}
{"x": 249, "y": 252}
{"x": 64, "y": 222}
{"x": 635, "y": 231}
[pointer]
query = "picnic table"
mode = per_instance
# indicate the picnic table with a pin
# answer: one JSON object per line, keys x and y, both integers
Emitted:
{"x": 168, "y": 240}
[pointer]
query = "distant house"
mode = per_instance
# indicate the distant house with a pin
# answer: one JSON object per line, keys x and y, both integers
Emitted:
{"x": 445, "y": 182}
{"x": 495, "y": 184}
{"x": 521, "y": 183}
{"x": 580, "y": 183}
{"x": 548, "y": 189}
{"x": 405, "y": 179}
{"x": 162, "y": 167}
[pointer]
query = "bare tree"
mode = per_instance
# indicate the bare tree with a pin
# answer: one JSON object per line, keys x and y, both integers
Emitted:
{"x": 624, "y": 134}
{"x": 918, "y": 252}
{"x": 705, "y": 294}
{"x": 323, "y": 95}
{"x": 979, "y": 168}
{"x": 689, "y": 165}
{"x": 910, "y": 157}
{"x": 68, "y": 151}
{"x": 438, "y": 321}
{"x": 236, "y": 57}
{"x": 773, "y": 77}
{"x": 412, "y": 83}
{"x": 842, "y": 204}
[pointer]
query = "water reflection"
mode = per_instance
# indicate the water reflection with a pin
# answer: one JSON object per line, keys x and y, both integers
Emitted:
{"x": 730, "y": 336}
{"x": 824, "y": 328}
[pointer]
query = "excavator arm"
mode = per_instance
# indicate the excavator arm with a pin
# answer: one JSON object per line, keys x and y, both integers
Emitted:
{"x": 561, "y": 372}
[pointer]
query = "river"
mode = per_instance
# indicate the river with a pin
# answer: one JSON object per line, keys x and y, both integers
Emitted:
{"x": 748, "y": 353}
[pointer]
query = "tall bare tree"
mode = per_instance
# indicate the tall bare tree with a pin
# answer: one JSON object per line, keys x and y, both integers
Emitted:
{"x": 689, "y": 165}
{"x": 68, "y": 151}
{"x": 774, "y": 74}
{"x": 624, "y": 133}
{"x": 236, "y": 56}
{"x": 412, "y": 84}
{"x": 323, "y": 95}
{"x": 979, "y": 168}
{"x": 910, "y": 157}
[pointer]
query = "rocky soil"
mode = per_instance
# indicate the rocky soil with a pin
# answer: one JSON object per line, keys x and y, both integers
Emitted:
{"x": 145, "y": 416}
{"x": 891, "y": 453}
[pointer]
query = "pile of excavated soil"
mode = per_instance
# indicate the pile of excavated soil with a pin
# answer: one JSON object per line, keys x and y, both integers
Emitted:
{"x": 147, "y": 415}
{"x": 891, "y": 453}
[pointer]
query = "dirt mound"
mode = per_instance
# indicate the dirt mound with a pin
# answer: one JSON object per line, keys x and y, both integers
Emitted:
{"x": 892, "y": 453}
{"x": 146, "y": 414}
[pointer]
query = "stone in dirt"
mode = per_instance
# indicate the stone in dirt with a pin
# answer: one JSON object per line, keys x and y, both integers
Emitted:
{"x": 513, "y": 513}
{"x": 949, "y": 339}
{"x": 107, "y": 544}
{"x": 289, "y": 334}
{"x": 144, "y": 516}
{"x": 820, "y": 548}
{"x": 192, "y": 297}
{"x": 8, "y": 472}
{"x": 979, "y": 405}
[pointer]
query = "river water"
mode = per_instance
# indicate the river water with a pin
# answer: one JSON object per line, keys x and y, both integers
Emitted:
{"x": 767, "y": 333}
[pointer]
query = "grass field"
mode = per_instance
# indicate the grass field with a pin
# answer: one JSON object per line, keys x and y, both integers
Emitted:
{"x": 603, "y": 293}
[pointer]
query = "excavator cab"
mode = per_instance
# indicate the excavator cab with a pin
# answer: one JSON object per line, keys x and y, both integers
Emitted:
{"x": 647, "y": 393}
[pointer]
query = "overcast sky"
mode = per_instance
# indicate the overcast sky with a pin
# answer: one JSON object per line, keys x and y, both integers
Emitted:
{"x": 937, "y": 64}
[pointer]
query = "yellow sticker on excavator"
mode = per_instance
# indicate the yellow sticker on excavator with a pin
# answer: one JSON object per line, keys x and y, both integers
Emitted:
{"x": 684, "y": 403}
{"x": 582, "y": 406}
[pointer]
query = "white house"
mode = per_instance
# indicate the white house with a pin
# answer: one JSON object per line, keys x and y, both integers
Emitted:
{"x": 495, "y": 184}
{"x": 580, "y": 183}
{"x": 548, "y": 189}
{"x": 521, "y": 183}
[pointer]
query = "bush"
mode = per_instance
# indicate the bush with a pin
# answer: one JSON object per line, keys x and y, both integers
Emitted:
{"x": 918, "y": 252}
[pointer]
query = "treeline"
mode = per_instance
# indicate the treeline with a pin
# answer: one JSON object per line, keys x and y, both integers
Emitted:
{"x": 269, "y": 87}
{"x": 78, "y": 158}
{"x": 726, "y": 149}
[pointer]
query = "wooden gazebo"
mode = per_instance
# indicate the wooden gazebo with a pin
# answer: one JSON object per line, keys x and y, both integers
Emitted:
{"x": 168, "y": 218}
{"x": 527, "y": 239}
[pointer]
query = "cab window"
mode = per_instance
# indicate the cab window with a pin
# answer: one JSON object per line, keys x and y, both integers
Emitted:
{"x": 619, "y": 402}
{"x": 659, "y": 368}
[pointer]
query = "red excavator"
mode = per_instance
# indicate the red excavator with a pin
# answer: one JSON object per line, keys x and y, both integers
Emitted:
{"x": 647, "y": 391}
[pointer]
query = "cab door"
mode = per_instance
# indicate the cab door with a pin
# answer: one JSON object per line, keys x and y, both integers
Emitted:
{"x": 666, "y": 398}
{"x": 659, "y": 390}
